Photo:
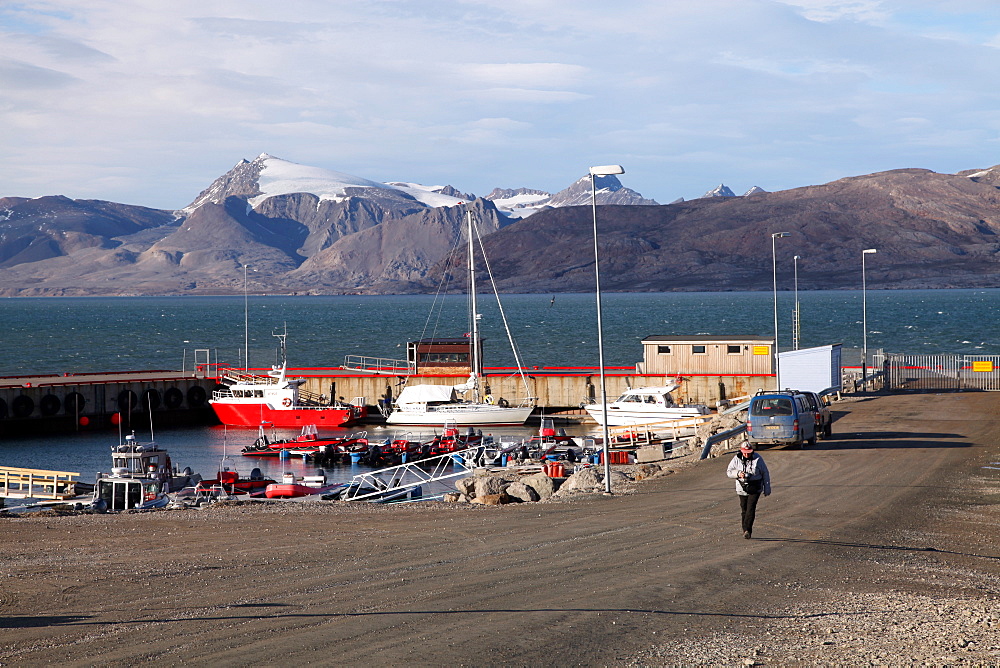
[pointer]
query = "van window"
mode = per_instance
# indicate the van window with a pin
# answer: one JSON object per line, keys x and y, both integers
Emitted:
{"x": 767, "y": 406}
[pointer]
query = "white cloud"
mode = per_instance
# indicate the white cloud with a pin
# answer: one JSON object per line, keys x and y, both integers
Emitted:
{"x": 147, "y": 102}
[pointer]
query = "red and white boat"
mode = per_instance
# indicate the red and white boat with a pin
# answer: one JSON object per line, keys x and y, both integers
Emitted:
{"x": 250, "y": 400}
{"x": 293, "y": 487}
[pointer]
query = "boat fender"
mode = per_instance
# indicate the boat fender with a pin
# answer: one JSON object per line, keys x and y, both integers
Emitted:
{"x": 503, "y": 403}
{"x": 489, "y": 398}
{"x": 286, "y": 402}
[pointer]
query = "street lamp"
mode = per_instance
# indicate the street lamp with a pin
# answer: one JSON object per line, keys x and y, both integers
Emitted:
{"x": 246, "y": 323}
{"x": 602, "y": 170}
{"x": 774, "y": 267}
{"x": 864, "y": 314}
{"x": 795, "y": 324}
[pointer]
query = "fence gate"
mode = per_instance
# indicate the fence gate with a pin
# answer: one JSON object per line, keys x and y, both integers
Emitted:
{"x": 942, "y": 372}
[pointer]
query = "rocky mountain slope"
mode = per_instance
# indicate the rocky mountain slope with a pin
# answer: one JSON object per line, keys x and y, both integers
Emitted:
{"x": 310, "y": 230}
{"x": 931, "y": 231}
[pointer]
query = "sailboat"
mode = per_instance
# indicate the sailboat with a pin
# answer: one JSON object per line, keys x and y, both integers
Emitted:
{"x": 438, "y": 404}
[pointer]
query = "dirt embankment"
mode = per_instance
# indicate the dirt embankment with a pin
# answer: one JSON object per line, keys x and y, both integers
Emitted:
{"x": 876, "y": 547}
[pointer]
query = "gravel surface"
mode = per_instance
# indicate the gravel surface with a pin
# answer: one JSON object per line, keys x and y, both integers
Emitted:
{"x": 876, "y": 548}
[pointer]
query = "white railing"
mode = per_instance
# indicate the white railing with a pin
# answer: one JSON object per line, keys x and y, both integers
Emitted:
{"x": 377, "y": 364}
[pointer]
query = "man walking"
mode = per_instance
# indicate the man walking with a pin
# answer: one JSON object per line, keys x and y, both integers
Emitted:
{"x": 752, "y": 480}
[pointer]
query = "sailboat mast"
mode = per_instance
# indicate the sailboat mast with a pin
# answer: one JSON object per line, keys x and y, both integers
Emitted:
{"x": 476, "y": 367}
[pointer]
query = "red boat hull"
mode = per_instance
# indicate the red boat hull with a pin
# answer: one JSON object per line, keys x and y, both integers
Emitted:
{"x": 289, "y": 491}
{"x": 252, "y": 415}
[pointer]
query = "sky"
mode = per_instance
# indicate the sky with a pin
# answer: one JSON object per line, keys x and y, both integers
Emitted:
{"x": 146, "y": 102}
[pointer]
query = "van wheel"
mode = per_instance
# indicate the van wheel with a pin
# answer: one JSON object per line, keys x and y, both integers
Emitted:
{"x": 812, "y": 441}
{"x": 828, "y": 430}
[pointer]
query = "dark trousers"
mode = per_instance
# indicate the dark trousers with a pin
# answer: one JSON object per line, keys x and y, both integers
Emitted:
{"x": 748, "y": 509}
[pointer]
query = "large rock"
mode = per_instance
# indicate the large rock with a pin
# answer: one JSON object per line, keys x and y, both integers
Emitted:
{"x": 543, "y": 485}
{"x": 493, "y": 499}
{"x": 518, "y": 491}
{"x": 466, "y": 486}
{"x": 585, "y": 480}
{"x": 488, "y": 485}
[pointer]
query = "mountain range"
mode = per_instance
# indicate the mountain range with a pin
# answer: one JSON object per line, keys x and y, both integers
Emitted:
{"x": 309, "y": 230}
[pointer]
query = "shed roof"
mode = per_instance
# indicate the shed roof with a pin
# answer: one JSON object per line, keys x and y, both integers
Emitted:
{"x": 707, "y": 338}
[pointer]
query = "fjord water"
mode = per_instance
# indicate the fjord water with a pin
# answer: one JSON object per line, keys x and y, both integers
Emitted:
{"x": 73, "y": 335}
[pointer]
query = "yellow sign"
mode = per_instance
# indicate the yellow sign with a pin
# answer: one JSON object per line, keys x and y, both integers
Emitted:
{"x": 983, "y": 365}
{"x": 762, "y": 350}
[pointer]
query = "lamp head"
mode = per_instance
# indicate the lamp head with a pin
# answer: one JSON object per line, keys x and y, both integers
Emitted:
{"x": 797, "y": 257}
{"x": 778, "y": 235}
{"x": 606, "y": 170}
{"x": 869, "y": 251}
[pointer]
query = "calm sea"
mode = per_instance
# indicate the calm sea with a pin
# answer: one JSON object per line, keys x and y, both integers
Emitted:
{"x": 63, "y": 335}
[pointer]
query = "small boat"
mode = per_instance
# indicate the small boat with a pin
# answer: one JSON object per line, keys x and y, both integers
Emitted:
{"x": 232, "y": 483}
{"x": 140, "y": 479}
{"x": 645, "y": 405}
{"x": 249, "y": 400}
{"x": 293, "y": 487}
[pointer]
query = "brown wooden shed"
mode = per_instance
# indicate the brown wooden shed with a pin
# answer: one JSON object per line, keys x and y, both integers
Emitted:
{"x": 707, "y": 355}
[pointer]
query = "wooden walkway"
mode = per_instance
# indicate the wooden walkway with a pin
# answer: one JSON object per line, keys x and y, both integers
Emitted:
{"x": 18, "y": 483}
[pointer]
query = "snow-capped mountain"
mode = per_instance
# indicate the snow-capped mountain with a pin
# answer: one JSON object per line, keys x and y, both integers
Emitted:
{"x": 721, "y": 190}
{"x": 267, "y": 176}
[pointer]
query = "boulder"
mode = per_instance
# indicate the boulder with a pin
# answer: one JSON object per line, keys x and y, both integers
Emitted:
{"x": 488, "y": 485}
{"x": 466, "y": 486}
{"x": 646, "y": 471}
{"x": 455, "y": 497}
{"x": 520, "y": 492}
{"x": 585, "y": 480}
{"x": 493, "y": 499}
{"x": 543, "y": 485}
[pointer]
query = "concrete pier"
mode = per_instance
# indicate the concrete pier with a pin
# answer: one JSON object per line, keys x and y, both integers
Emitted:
{"x": 95, "y": 401}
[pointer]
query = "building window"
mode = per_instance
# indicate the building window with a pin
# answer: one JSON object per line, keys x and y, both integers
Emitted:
{"x": 697, "y": 350}
{"x": 733, "y": 350}
{"x": 662, "y": 350}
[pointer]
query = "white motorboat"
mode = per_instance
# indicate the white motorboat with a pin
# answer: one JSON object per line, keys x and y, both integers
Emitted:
{"x": 645, "y": 405}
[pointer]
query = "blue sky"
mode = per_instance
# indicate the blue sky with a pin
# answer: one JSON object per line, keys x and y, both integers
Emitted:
{"x": 146, "y": 102}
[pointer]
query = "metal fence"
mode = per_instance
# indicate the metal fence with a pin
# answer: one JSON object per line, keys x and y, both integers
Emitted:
{"x": 941, "y": 372}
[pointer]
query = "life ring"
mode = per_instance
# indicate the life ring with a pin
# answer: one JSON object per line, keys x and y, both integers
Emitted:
{"x": 503, "y": 403}
{"x": 489, "y": 398}
{"x": 286, "y": 402}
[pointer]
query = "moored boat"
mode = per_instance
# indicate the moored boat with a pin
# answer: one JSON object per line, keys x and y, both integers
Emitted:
{"x": 294, "y": 487}
{"x": 250, "y": 400}
{"x": 437, "y": 404}
{"x": 141, "y": 477}
{"x": 645, "y": 405}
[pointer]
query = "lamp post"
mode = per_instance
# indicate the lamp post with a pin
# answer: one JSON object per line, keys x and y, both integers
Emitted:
{"x": 246, "y": 323}
{"x": 774, "y": 268}
{"x": 602, "y": 170}
{"x": 795, "y": 323}
{"x": 864, "y": 314}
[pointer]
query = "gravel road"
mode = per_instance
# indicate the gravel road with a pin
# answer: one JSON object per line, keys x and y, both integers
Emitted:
{"x": 877, "y": 547}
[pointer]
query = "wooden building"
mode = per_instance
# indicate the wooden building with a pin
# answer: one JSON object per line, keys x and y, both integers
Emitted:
{"x": 442, "y": 355}
{"x": 712, "y": 367}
